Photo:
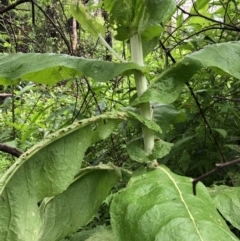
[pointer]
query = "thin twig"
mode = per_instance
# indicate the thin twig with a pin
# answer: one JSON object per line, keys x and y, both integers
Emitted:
{"x": 12, "y": 6}
{"x": 218, "y": 166}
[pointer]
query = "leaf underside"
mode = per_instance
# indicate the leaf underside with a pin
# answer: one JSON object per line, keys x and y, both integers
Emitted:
{"x": 47, "y": 170}
{"x": 52, "y": 68}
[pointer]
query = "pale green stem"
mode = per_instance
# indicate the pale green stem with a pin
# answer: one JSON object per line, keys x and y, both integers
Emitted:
{"x": 112, "y": 51}
{"x": 141, "y": 85}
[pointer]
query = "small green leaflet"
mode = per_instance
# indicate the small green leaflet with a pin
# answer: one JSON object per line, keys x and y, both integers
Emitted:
{"x": 136, "y": 151}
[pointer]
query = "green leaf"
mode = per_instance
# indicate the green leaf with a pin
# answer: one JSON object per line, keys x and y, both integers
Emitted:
{"x": 164, "y": 115}
{"x": 46, "y": 170}
{"x": 138, "y": 17}
{"x": 222, "y": 132}
{"x": 199, "y": 5}
{"x": 227, "y": 201}
{"x": 106, "y": 235}
{"x": 86, "y": 20}
{"x": 161, "y": 149}
{"x": 96, "y": 234}
{"x": 75, "y": 207}
{"x": 200, "y": 21}
{"x": 160, "y": 205}
{"x": 82, "y": 235}
{"x": 155, "y": 13}
{"x": 125, "y": 16}
{"x": 233, "y": 147}
{"x": 148, "y": 123}
{"x": 182, "y": 141}
{"x": 51, "y": 68}
{"x": 136, "y": 151}
{"x": 148, "y": 46}
{"x": 167, "y": 87}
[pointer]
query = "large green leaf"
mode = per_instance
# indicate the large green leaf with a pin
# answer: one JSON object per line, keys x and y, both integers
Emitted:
{"x": 75, "y": 207}
{"x": 155, "y": 13}
{"x": 227, "y": 200}
{"x": 51, "y": 68}
{"x": 167, "y": 87}
{"x": 160, "y": 205}
{"x": 86, "y": 20}
{"x": 138, "y": 16}
{"x": 46, "y": 170}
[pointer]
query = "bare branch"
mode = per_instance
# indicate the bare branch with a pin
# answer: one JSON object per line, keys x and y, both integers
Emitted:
{"x": 217, "y": 168}
{"x": 10, "y": 150}
{"x": 12, "y": 6}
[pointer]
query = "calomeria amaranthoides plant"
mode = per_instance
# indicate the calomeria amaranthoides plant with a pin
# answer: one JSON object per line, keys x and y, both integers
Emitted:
{"x": 136, "y": 207}
{"x": 46, "y": 196}
{"x": 128, "y": 30}
{"x": 140, "y": 17}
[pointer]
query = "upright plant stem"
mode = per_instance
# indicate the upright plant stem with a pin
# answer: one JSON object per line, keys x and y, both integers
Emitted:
{"x": 141, "y": 85}
{"x": 13, "y": 112}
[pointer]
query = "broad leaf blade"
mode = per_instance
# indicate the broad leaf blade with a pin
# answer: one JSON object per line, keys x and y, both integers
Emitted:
{"x": 155, "y": 13}
{"x": 51, "y": 68}
{"x": 75, "y": 207}
{"x": 46, "y": 170}
{"x": 161, "y": 149}
{"x": 227, "y": 200}
{"x": 121, "y": 15}
{"x": 164, "y": 116}
{"x": 136, "y": 151}
{"x": 89, "y": 23}
{"x": 167, "y": 87}
{"x": 160, "y": 205}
